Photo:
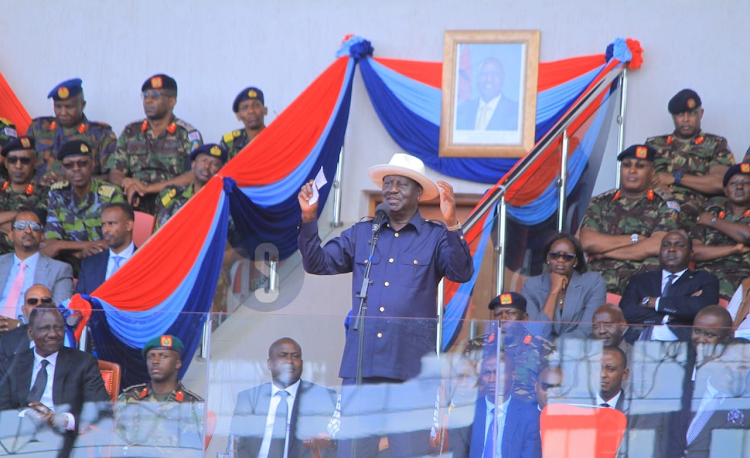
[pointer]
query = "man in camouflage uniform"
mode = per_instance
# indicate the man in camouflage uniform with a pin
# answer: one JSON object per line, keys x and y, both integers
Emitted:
{"x": 69, "y": 123}
{"x": 153, "y": 153}
{"x": 249, "y": 108}
{"x": 207, "y": 160}
{"x": 622, "y": 228}
{"x": 162, "y": 413}
{"x": 74, "y": 228}
{"x": 20, "y": 192}
{"x": 722, "y": 232}
{"x": 689, "y": 162}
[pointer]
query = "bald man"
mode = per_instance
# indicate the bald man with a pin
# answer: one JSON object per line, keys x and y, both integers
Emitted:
{"x": 712, "y": 325}
{"x": 609, "y": 326}
{"x": 17, "y": 339}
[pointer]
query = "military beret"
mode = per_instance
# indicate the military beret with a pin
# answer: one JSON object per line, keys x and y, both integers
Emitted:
{"x": 66, "y": 90}
{"x": 7, "y": 132}
{"x": 511, "y": 299}
{"x": 638, "y": 152}
{"x": 165, "y": 342}
{"x": 249, "y": 93}
{"x": 160, "y": 81}
{"x": 742, "y": 167}
{"x": 685, "y": 100}
{"x": 16, "y": 144}
{"x": 212, "y": 149}
{"x": 74, "y": 148}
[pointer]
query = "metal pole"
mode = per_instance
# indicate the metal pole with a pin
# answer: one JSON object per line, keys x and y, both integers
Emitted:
{"x": 273, "y": 274}
{"x": 337, "y": 191}
{"x": 500, "y": 248}
{"x": 206, "y": 337}
{"x": 563, "y": 183}
{"x": 440, "y": 307}
{"x": 621, "y": 119}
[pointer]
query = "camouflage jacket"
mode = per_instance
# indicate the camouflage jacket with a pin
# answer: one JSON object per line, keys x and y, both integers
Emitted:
{"x": 77, "y": 219}
{"x": 171, "y": 199}
{"x": 609, "y": 213}
{"x": 234, "y": 142}
{"x": 50, "y": 136}
{"x": 151, "y": 159}
{"x": 145, "y": 421}
{"x": 34, "y": 196}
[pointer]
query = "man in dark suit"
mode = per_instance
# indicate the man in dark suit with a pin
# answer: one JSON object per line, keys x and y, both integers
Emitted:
{"x": 668, "y": 299}
{"x": 58, "y": 388}
{"x": 516, "y": 423}
{"x": 17, "y": 340}
{"x": 493, "y": 110}
{"x": 614, "y": 372}
{"x": 272, "y": 420}
{"x": 117, "y": 229}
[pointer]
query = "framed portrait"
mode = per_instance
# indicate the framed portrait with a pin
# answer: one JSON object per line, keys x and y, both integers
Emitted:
{"x": 489, "y": 93}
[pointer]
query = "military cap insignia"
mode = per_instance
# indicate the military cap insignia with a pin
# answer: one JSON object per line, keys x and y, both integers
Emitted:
{"x": 691, "y": 103}
{"x": 641, "y": 152}
{"x": 63, "y": 92}
{"x": 29, "y": 189}
{"x": 506, "y": 299}
{"x": 745, "y": 168}
{"x": 252, "y": 94}
{"x": 172, "y": 128}
{"x": 82, "y": 128}
{"x": 236, "y": 133}
{"x": 25, "y": 142}
{"x": 106, "y": 190}
{"x": 156, "y": 82}
{"x": 84, "y": 148}
{"x": 53, "y": 125}
{"x": 215, "y": 151}
{"x": 165, "y": 341}
{"x": 59, "y": 185}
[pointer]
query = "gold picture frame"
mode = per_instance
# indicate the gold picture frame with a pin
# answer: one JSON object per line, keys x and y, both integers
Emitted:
{"x": 489, "y": 93}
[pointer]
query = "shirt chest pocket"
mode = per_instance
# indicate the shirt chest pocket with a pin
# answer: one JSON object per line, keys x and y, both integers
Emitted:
{"x": 413, "y": 270}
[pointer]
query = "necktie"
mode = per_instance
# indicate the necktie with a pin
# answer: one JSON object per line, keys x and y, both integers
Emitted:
{"x": 668, "y": 285}
{"x": 11, "y": 305}
{"x": 604, "y": 404}
{"x": 700, "y": 420}
{"x": 489, "y": 441}
{"x": 36, "y": 391}
{"x": 482, "y": 120}
{"x": 118, "y": 263}
{"x": 278, "y": 438}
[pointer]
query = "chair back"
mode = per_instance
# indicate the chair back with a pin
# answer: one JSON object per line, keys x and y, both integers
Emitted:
{"x": 142, "y": 228}
{"x": 111, "y": 376}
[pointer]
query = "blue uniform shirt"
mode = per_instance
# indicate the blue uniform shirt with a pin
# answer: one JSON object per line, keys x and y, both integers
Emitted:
{"x": 407, "y": 266}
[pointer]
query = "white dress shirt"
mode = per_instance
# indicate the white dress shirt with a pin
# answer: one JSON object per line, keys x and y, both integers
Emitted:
{"x": 743, "y": 330}
{"x": 125, "y": 254}
{"x": 612, "y": 402}
{"x": 47, "y": 394}
{"x": 268, "y": 434}
{"x": 662, "y": 332}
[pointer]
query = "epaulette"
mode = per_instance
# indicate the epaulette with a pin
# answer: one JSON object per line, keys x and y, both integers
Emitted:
{"x": 100, "y": 124}
{"x": 664, "y": 194}
{"x": 611, "y": 192}
{"x": 59, "y": 185}
{"x": 230, "y": 136}
{"x": 140, "y": 386}
{"x": 185, "y": 125}
{"x": 190, "y": 393}
{"x": 168, "y": 196}
{"x": 655, "y": 139}
{"x": 106, "y": 190}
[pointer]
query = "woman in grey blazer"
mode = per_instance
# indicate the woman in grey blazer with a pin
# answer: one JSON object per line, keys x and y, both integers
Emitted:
{"x": 565, "y": 297}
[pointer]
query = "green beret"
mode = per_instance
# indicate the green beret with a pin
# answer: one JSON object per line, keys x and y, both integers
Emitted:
{"x": 166, "y": 342}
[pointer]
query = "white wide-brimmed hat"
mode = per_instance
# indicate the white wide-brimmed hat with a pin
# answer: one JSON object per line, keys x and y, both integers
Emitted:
{"x": 408, "y": 166}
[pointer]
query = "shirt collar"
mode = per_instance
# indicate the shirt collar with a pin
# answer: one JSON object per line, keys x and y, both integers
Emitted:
{"x": 417, "y": 221}
{"x": 666, "y": 273}
{"x": 30, "y": 261}
{"x": 291, "y": 389}
{"x": 612, "y": 402}
{"x": 51, "y": 358}
{"x": 125, "y": 254}
{"x": 492, "y": 103}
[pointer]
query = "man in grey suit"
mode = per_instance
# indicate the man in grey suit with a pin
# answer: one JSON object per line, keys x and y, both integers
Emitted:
{"x": 26, "y": 267}
{"x": 272, "y": 420}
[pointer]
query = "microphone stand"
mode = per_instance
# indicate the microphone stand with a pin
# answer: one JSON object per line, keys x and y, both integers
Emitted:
{"x": 359, "y": 323}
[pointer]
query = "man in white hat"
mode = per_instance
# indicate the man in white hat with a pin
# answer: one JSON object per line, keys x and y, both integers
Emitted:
{"x": 411, "y": 258}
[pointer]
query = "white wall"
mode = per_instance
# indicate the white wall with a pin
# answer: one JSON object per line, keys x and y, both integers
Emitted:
{"x": 215, "y": 48}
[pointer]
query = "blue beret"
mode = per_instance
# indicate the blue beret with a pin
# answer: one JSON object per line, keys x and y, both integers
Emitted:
{"x": 511, "y": 299}
{"x": 66, "y": 90}
{"x": 212, "y": 149}
{"x": 74, "y": 148}
{"x": 685, "y": 100}
{"x": 16, "y": 144}
{"x": 743, "y": 168}
{"x": 249, "y": 93}
{"x": 639, "y": 152}
{"x": 160, "y": 81}
{"x": 165, "y": 342}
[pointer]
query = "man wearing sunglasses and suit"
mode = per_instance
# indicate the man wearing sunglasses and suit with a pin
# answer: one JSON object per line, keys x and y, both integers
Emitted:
{"x": 27, "y": 266}
{"x": 17, "y": 339}
{"x": 20, "y": 191}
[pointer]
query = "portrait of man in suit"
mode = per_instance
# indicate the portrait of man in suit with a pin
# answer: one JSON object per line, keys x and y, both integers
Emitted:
{"x": 274, "y": 419}
{"x": 58, "y": 388}
{"x": 493, "y": 109}
{"x": 27, "y": 266}
{"x": 669, "y": 298}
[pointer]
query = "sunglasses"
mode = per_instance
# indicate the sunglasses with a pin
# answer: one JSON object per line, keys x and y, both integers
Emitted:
{"x": 70, "y": 165}
{"x": 547, "y": 386}
{"x": 555, "y": 255}
{"x": 35, "y": 301}
{"x": 15, "y": 159}
{"x": 152, "y": 94}
{"x": 22, "y": 225}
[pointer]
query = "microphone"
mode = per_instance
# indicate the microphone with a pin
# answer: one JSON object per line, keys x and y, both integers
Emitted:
{"x": 381, "y": 211}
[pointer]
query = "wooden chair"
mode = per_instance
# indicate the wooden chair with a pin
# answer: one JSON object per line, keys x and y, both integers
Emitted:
{"x": 143, "y": 227}
{"x": 111, "y": 376}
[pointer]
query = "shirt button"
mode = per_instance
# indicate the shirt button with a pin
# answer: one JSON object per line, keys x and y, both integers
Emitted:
{"x": 416, "y": 262}
{"x": 387, "y": 284}
{"x": 382, "y": 309}
{"x": 390, "y": 260}
{"x": 396, "y": 234}
{"x": 366, "y": 261}
{"x": 380, "y": 334}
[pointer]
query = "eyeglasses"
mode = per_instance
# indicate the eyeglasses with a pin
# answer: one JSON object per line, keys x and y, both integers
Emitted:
{"x": 15, "y": 159}
{"x": 547, "y": 386}
{"x": 555, "y": 255}
{"x": 22, "y": 225}
{"x": 46, "y": 300}
{"x": 152, "y": 94}
{"x": 70, "y": 165}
